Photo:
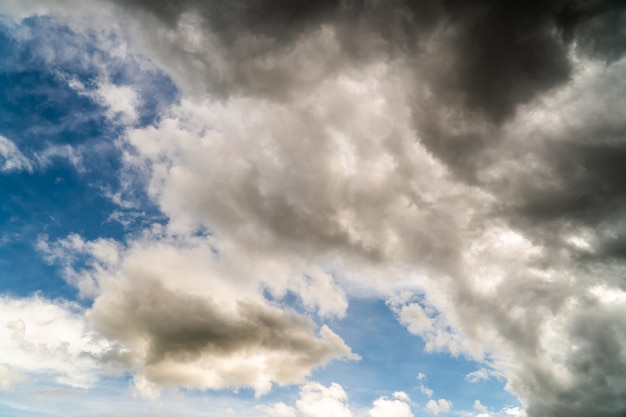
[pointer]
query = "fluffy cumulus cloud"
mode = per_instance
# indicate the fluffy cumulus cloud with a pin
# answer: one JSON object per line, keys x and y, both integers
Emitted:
{"x": 438, "y": 406}
{"x": 316, "y": 399}
{"x": 464, "y": 161}
{"x": 396, "y": 407}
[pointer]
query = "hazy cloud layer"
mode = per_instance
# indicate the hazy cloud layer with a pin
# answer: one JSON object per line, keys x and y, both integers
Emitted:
{"x": 465, "y": 160}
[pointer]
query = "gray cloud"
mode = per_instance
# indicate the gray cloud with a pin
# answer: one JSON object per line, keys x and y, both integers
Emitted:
{"x": 474, "y": 62}
{"x": 173, "y": 315}
{"x": 183, "y": 332}
{"x": 489, "y": 56}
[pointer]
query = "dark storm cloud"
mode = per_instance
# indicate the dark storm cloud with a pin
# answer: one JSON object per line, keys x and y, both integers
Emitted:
{"x": 474, "y": 61}
{"x": 495, "y": 54}
{"x": 581, "y": 154}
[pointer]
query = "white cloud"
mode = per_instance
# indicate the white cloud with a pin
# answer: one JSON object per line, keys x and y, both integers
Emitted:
{"x": 482, "y": 374}
{"x": 479, "y": 407}
{"x": 425, "y": 390}
{"x": 11, "y": 159}
{"x": 398, "y": 407}
{"x": 415, "y": 319}
{"x": 438, "y": 406}
{"x": 43, "y": 338}
{"x": 317, "y": 400}
{"x": 514, "y": 411}
{"x": 121, "y": 101}
{"x": 46, "y": 156}
{"x": 402, "y": 396}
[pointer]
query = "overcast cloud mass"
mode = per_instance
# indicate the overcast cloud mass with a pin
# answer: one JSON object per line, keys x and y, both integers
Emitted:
{"x": 268, "y": 164}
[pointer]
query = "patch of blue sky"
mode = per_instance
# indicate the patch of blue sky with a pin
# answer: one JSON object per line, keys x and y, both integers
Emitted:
{"x": 392, "y": 359}
{"x": 70, "y": 143}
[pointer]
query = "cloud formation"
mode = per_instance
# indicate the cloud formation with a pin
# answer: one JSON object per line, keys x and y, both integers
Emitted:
{"x": 464, "y": 160}
{"x": 181, "y": 316}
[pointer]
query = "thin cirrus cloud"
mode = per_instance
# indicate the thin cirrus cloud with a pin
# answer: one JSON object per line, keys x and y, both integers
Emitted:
{"x": 461, "y": 161}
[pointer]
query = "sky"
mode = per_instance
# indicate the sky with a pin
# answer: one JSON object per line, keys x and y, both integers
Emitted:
{"x": 324, "y": 208}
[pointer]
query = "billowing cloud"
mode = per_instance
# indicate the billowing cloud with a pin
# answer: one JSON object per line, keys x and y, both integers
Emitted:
{"x": 464, "y": 161}
{"x": 186, "y": 316}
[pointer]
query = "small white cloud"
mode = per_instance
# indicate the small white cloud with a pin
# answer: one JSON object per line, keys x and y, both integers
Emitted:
{"x": 482, "y": 374}
{"x": 422, "y": 387}
{"x": 384, "y": 407}
{"x": 479, "y": 407}
{"x": 439, "y": 406}
{"x": 11, "y": 159}
{"x": 425, "y": 390}
{"x": 317, "y": 400}
{"x": 121, "y": 102}
{"x": 514, "y": 411}
{"x": 67, "y": 152}
{"x": 402, "y": 396}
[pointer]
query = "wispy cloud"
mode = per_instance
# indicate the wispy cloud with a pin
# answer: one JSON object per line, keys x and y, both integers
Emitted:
{"x": 12, "y": 158}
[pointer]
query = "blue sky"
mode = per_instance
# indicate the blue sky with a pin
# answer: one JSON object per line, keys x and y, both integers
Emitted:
{"x": 282, "y": 211}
